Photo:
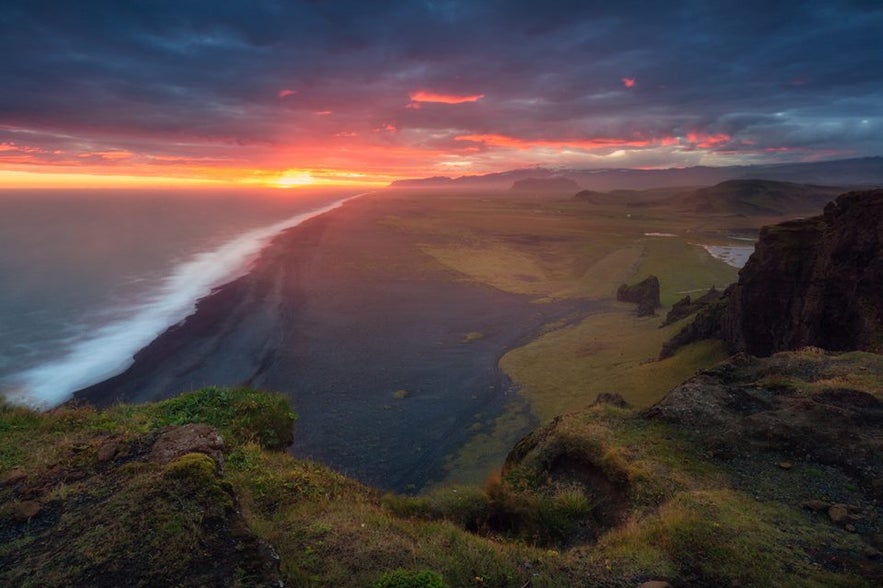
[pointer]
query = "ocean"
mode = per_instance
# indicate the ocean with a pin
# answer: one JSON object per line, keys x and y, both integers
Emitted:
{"x": 89, "y": 278}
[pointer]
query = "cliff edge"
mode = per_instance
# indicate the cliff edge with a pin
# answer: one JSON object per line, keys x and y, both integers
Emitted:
{"x": 810, "y": 282}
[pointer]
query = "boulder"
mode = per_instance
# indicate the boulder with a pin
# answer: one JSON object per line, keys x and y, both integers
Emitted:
{"x": 645, "y": 294}
{"x": 174, "y": 441}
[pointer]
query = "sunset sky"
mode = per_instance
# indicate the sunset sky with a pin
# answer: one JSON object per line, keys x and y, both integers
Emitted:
{"x": 285, "y": 93}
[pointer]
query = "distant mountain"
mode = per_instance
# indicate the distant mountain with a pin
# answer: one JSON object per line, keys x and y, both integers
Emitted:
{"x": 756, "y": 198}
{"x": 555, "y": 184}
{"x": 867, "y": 172}
{"x": 499, "y": 180}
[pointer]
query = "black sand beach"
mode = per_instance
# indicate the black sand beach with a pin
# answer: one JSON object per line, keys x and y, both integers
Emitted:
{"x": 389, "y": 358}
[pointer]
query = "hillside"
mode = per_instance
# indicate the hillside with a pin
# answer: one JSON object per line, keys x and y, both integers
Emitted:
{"x": 616, "y": 469}
{"x": 867, "y": 171}
{"x": 610, "y": 496}
{"x": 756, "y": 198}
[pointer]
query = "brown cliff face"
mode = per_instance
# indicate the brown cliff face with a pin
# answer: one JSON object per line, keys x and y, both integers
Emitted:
{"x": 817, "y": 281}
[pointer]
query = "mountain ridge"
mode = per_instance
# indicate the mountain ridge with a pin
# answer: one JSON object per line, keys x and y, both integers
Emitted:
{"x": 864, "y": 171}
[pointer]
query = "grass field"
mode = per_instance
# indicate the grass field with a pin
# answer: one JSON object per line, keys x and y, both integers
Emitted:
{"x": 552, "y": 249}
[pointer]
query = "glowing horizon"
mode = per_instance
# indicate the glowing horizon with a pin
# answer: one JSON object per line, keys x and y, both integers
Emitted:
{"x": 244, "y": 95}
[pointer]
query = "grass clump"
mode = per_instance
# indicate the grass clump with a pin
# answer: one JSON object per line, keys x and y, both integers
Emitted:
{"x": 241, "y": 415}
{"x": 409, "y": 579}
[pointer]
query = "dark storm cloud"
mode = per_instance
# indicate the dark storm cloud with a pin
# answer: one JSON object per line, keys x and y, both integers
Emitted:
{"x": 767, "y": 74}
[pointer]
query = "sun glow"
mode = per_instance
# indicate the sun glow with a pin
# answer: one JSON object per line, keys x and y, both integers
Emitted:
{"x": 301, "y": 178}
{"x": 294, "y": 179}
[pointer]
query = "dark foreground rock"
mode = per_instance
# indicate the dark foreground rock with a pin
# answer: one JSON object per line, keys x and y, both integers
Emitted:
{"x": 123, "y": 510}
{"x": 808, "y": 406}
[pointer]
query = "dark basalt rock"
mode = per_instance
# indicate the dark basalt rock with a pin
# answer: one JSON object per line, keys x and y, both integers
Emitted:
{"x": 817, "y": 281}
{"x": 811, "y": 282}
{"x": 645, "y": 294}
{"x": 687, "y": 306}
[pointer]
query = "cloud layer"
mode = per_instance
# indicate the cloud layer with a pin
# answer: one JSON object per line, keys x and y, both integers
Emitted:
{"x": 245, "y": 90}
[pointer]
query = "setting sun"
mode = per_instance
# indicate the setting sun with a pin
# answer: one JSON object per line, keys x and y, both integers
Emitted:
{"x": 294, "y": 179}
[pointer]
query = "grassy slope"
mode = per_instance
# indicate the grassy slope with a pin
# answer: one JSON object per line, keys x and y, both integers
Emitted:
{"x": 684, "y": 520}
{"x": 156, "y": 525}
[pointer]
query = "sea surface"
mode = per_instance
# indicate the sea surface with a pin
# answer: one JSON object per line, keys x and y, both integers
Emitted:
{"x": 87, "y": 278}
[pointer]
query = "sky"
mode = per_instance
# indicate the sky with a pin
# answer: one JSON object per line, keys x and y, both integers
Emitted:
{"x": 290, "y": 93}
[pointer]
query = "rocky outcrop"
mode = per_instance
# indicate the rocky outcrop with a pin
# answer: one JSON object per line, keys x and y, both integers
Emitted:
{"x": 151, "y": 509}
{"x": 811, "y": 282}
{"x": 803, "y": 408}
{"x": 645, "y": 294}
{"x": 708, "y": 324}
{"x": 687, "y": 306}
{"x": 815, "y": 282}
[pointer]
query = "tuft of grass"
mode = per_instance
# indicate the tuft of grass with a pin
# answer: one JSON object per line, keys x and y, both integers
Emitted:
{"x": 241, "y": 415}
{"x": 401, "y": 578}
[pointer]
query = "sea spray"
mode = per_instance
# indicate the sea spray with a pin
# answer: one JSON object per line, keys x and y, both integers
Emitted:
{"x": 110, "y": 349}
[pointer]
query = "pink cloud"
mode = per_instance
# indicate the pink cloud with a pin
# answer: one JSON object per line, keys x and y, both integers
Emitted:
{"x": 628, "y": 82}
{"x": 425, "y": 96}
{"x": 286, "y": 92}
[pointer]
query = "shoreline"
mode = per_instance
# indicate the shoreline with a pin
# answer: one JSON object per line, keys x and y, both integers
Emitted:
{"x": 365, "y": 333}
{"x": 109, "y": 349}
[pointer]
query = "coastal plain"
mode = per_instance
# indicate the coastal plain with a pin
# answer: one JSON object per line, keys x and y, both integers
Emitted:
{"x": 696, "y": 470}
{"x": 420, "y": 333}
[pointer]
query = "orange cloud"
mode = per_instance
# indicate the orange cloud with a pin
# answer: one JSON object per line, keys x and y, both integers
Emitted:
{"x": 628, "y": 82}
{"x": 424, "y": 96}
{"x": 584, "y": 144}
{"x": 704, "y": 141}
{"x": 108, "y": 155}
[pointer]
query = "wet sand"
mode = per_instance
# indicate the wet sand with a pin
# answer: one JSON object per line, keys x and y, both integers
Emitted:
{"x": 366, "y": 334}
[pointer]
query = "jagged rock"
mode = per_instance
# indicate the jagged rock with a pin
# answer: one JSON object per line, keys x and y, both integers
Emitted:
{"x": 645, "y": 294}
{"x": 814, "y": 282}
{"x": 687, "y": 306}
{"x": 174, "y": 441}
{"x": 810, "y": 282}
{"x": 708, "y": 324}
{"x": 611, "y": 398}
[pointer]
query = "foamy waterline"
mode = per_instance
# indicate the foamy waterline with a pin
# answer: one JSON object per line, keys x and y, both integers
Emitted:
{"x": 732, "y": 255}
{"x": 110, "y": 349}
